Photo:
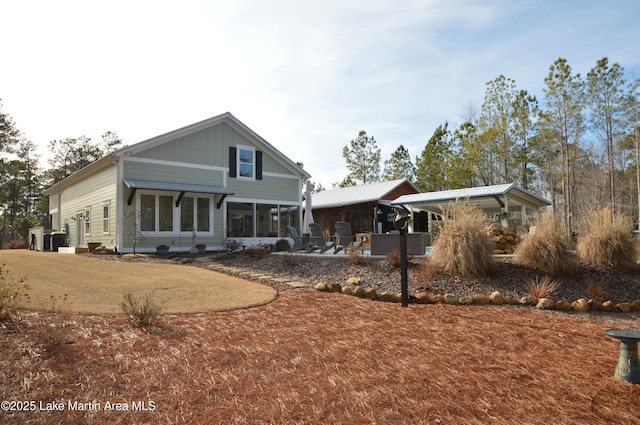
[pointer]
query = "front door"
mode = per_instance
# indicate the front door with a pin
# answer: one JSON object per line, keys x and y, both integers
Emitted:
{"x": 79, "y": 229}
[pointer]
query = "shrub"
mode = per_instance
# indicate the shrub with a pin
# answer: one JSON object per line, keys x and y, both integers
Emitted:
{"x": 256, "y": 252}
{"x": 607, "y": 240}
{"x": 394, "y": 258}
{"x": 17, "y": 244}
{"x": 462, "y": 246}
{"x": 141, "y": 311}
{"x": 54, "y": 329}
{"x": 13, "y": 293}
{"x": 282, "y": 245}
{"x": 539, "y": 289}
{"x": 547, "y": 250}
{"x": 355, "y": 255}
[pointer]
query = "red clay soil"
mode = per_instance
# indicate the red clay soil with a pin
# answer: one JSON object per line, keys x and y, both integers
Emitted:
{"x": 312, "y": 357}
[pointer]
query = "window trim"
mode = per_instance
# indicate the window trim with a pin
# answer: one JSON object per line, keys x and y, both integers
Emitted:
{"x": 106, "y": 219}
{"x": 176, "y": 212}
{"x": 239, "y": 149}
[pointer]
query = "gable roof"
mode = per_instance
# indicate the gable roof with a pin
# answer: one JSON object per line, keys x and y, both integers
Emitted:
{"x": 226, "y": 118}
{"x": 484, "y": 196}
{"x": 356, "y": 194}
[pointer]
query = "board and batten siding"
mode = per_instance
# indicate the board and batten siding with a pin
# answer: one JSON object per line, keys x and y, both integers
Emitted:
{"x": 92, "y": 193}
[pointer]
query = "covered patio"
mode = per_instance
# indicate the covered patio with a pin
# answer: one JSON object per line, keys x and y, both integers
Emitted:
{"x": 508, "y": 202}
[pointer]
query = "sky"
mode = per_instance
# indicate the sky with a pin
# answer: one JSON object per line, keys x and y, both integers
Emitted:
{"x": 306, "y": 76}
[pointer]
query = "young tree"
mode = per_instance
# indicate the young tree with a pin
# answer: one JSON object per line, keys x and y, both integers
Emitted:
{"x": 363, "y": 161}
{"x": 432, "y": 166}
{"x": 564, "y": 125}
{"x": 606, "y": 99}
{"x": 495, "y": 124}
{"x": 399, "y": 165}
{"x": 524, "y": 110}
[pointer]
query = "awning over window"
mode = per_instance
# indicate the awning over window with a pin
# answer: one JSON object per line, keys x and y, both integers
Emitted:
{"x": 135, "y": 184}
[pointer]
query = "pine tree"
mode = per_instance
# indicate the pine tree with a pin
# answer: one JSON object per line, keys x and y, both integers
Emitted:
{"x": 363, "y": 161}
{"x": 399, "y": 166}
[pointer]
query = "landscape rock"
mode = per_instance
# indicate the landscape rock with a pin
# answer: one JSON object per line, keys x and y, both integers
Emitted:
{"x": 527, "y": 300}
{"x": 481, "y": 299}
{"x": 371, "y": 294}
{"x": 451, "y": 299}
{"x": 358, "y": 291}
{"x": 545, "y": 304}
{"x": 624, "y": 307}
{"x": 347, "y": 290}
{"x": 335, "y": 287}
{"x": 466, "y": 300}
{"x": 609, "y": 306}
{"x": 635, "y": 305}
{"x": 422, "y": 298}
{"x": 496, "y": 298}
{"x": 321, "y": 286}
{"x": 437, "y": 299}
{"x": 564, "y": 305}
{"x": 580, "y": 305}
{"x": 387, "y": 296}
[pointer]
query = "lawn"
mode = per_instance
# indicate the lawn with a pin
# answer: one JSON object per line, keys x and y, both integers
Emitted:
{"x": 310, "y": 357}
{"x": 97, "y": 286}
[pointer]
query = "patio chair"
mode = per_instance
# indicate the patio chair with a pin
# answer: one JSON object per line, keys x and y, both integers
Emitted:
{"x": 298, "y": 244}
{"x": 317, "y": 237}
{"x": 346, "y": 237}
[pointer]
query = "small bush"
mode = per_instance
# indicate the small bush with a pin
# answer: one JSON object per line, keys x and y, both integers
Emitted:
{"x": 539, "y": 289}
{"x": 547, "y": 250}
{"x": 13, "y": 293}
{"x": 141, "y": 311}
{"x": 282, "y": 245}
{"x": 355, "y": 255}
{"x": 17, "y": 244}
{"x": 394, "y": 259}
{"x": 54, "y": 330}
{"x": 607, "y": 240}
{"x": 595, "y": 292}
{"x": 256, "y": 252}
{"x": 462, "y": 246}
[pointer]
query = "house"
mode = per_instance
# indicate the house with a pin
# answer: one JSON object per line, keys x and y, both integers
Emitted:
{"x": 367, "y": 207}
{"x": 206, "y": 183}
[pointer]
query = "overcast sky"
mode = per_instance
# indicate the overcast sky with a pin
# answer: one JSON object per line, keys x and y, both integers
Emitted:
{"x": 307, "y": 76}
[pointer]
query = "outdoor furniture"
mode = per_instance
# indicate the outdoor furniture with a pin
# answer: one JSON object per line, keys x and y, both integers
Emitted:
{"x": 382, "y": 243}
{"x": 628, "y": 367}
{"x": 317, "y": 237}
{"x": 298, "y": 243}
{"x": 345, "y": 237}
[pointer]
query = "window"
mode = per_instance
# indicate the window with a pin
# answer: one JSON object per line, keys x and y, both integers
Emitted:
{"x": 246, "y": 162}
{"x": 268, "y": 220}
{"x": 87, "y": 220}
{"x": 195, "y": 214}
{"x": 158, "y": 213}
{"x": 105, "y": 218}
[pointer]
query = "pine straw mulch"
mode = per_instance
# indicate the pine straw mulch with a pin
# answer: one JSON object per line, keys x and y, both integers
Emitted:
{"x": 312, "y": 357}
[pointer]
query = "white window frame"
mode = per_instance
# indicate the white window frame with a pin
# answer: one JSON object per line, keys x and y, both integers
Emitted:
{"x": 177, "y": 211}
{"x": 87, "y": 220}
{"x": 252, "y": 149}
{"x": 106, "y": 220}
{"x": 195, "y": 197}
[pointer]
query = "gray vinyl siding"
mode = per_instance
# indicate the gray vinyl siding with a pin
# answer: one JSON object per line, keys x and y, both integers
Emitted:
{"x": 208, "y": 147}
{"x": 92, "y": 192}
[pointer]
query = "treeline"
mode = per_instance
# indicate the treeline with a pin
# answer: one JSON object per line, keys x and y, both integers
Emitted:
{"x": 577, "y": 145}
{"x": 22, "y": 180}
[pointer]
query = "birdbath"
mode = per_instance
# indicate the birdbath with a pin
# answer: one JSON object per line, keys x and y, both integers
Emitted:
{"x": 628, "y": 367}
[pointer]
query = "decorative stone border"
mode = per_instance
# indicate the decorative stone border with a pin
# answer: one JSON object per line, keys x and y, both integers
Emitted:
{"x": 495, "y": 298}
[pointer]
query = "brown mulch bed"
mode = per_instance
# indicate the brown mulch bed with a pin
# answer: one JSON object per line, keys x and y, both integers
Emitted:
{"x": 312, "y": 357}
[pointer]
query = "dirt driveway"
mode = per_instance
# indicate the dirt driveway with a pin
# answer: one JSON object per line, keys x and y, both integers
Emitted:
{"x": 96, "y": 286}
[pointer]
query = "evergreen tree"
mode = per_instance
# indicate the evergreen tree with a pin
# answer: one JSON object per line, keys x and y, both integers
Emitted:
{"x": 399, "y": 166}
{"x": 363, "y": 161}
{"x": 432, "y": 166}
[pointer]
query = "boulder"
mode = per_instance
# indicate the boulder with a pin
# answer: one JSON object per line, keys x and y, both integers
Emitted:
{"x": 422, "y": 298}
{"x": 624, "y": 307}
{"x": 347, "y": 290}
{"x": 497, "y": 298}
{"x": 481, "y": 299}
{"x": 564, "y": 305}
{"x": 466, "y": 300}
{"x": 321, "y": 286}
{"x": 609, "y": 306}
{"x": 580, "y": 305}
{"x": 358, "y": 291}
{"x": 335, "y": 287}
{"x": 546, "y": 304}
{"x": 635, "y": 305}
{"x": 371, "y": 294}
{"x": 387, "y": 296}
{"x": 451, "y": 299}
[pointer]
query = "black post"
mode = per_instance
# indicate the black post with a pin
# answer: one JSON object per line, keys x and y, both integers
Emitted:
{"x": 403, "y": 267}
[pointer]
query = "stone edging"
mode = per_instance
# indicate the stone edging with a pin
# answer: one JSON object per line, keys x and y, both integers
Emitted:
{"x": 496, "y": 298}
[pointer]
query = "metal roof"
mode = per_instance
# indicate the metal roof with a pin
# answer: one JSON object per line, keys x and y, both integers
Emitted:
{"x": 484, "y": 196}
{"x": 354, "y": 194}
{"x": 176, "y": 187}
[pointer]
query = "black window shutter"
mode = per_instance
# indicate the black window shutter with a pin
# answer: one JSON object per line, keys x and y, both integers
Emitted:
{"x": 258, "y": 165}
{"x": 232, "y": 162}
